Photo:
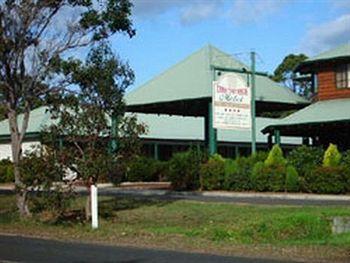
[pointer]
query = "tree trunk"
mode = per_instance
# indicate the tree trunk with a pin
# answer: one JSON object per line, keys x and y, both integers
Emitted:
{"x": 16, "y": 147}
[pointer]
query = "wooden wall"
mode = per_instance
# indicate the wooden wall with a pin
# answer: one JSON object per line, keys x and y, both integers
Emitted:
{"x": 326, "y": 85}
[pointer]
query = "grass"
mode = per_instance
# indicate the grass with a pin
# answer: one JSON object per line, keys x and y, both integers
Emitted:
{"x": 187, "y": 225}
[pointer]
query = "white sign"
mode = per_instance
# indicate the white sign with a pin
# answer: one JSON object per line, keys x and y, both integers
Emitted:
{"x": 231, "y": 103}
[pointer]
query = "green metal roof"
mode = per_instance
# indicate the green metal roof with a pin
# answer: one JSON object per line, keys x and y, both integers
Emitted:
{"x": 191, "y": 79}
{"x": 320, "y": 112}
{"x": 162, "y": 127}
{"x": 338, "y": 53}
{"x": 38, "y": 118}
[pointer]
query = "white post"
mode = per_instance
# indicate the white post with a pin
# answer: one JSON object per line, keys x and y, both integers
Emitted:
{"x": 94, "y": 208}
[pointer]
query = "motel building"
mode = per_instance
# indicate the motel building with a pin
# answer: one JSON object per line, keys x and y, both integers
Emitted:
{"x": 327, "y": 119}
{"x": 177, "y": 107}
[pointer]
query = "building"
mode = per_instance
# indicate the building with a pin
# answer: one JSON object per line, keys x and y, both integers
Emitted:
{"x": 175, "y": 106}
{"x": 327, "y": 119}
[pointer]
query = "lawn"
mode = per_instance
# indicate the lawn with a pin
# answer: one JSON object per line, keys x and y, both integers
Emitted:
{"x": 268, "y": 231}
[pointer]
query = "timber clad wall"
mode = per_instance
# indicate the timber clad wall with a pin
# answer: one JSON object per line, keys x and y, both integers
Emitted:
{"x": 326, "y": 85}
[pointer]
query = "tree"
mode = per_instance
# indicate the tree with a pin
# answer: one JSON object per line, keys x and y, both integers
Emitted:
{"x": 284, "y": 73}
{"x": 84, "y": 120}
{"x": 36, "y": 37}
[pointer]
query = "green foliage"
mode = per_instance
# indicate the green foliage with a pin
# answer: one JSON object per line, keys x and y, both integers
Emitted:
{"x": 212, "y": 173}
{"x": 268, "y": 177}
{"x": 184, "y": 169}
{"x": 143, "y": 169}
{"x": 259, "y": 179}
{"x": 305, "y": 158}
{"x": 40, "y": 171}
{"x": 275, "y": 156}
{"x": 292, "y": 179}
{"x": 237, "y": 178}
{"x": 284, "y": 70}
{"x": 327, "y": 180}
{"x": 49, "y": 76}
{"x": 332, "y": 156}
{"x": 284, "y": 73}
{"x": 6, "y": 172}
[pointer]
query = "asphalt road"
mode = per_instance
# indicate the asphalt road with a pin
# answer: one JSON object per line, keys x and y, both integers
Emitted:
{"x": 22, "y": 249}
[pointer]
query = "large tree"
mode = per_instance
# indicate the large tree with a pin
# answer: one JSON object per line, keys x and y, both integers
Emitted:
{"x": 284, "y": 72}
{"x": 35, "y": 37}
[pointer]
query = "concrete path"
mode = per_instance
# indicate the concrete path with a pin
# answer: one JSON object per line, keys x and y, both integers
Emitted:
{"x": 21, "y": 249}
{"x": 229, "y": 197}
{"x": 217, "y": 196}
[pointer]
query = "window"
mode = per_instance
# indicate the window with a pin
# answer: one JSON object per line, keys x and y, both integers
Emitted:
{"x": 342, "y": 76}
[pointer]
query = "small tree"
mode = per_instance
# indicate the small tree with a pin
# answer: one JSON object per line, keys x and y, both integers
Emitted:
{"x": 275, "y": 156}
{"x": 83, "y": 119}
{"x": 332, "y": 156}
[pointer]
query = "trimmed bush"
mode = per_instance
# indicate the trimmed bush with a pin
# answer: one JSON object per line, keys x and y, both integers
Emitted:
{"x": 305, "y": 159}
{"x": 238, "y": 172}
{"x": 327, "y": 180}
{"x": 275, "y": 156}
{"x": 6, "y": 171}
{"x": 212, "y": 173}
{"x": 184, "y": 170}
{"x": 268, "y": 177}
{"x": 332, "y": 156}
{"x": 259, "y": 179}
{"x": 143, "y": 169}
{"x": 292, "y": 179}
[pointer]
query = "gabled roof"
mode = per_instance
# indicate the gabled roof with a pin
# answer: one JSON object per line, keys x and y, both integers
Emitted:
{"x": 191, "y": 79}
{"x": 325, "y": 111}
{"x": 341, "y": 52}
{"x": 161, "y": 127}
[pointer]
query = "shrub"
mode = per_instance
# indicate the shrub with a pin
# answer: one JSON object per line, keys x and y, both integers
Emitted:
{"x": 237, "y": 172}
{"x": 184, "y": 170}
{"x": 305, "y": 159}
{"x": 275, "y": 156}
{"x": 292, "y": 179}
{"x": 43, "y": 172}
{"x": 346, "y": 159}
{"x": 327, "y": 180}
{"x": 146, "y": 170}
{"x": 6, "y": 171}
{"x": 332, "y": 156}
{"x": 212, "y": 173}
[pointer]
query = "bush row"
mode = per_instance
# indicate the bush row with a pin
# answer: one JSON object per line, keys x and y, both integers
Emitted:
{"x": 305, "y": 169}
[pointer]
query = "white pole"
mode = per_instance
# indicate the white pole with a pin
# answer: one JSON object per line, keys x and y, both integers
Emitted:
{"x": 94, "y": 208}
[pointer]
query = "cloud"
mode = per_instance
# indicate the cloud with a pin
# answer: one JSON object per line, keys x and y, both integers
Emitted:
{"x": 195, "y": 11}
{"x": 151, "y": 8}
{"x": 200, "y": 11}
{"x": 190, "y": 12}
{"x": 327, "y": 35}
{"x": 341, "y": 4}
{"x": 248, "y": 11}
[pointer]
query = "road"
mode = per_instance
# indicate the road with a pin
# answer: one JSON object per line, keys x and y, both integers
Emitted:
{"x": 23, "y": 249}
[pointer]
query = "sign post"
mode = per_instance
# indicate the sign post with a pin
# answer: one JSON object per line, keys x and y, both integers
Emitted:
{"x": 252, "y": 56}
{"x": 94, "y": 206}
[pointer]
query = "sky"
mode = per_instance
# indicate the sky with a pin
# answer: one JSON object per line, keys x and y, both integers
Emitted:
{"x": 167, "y": 31}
